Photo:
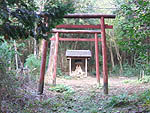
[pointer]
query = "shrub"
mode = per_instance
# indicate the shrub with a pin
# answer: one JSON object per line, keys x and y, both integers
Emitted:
{"x": 117, "y": 101}
{"x": 145, "y": 79}
{"x": 33, "y": 63}
{"x": 145, "y": 97}
{"x": 115, "y": 70}
{"x": 8, "y": 86}
{"x": 59, "y": 72}
{"x": 128, "y": 70}
{"x": 7, "y": 52}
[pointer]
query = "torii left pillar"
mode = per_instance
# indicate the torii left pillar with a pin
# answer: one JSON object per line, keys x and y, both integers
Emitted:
{"x": 42, "y": 69}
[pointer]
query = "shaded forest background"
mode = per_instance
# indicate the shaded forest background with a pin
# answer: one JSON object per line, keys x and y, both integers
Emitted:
{"x": 127, "y": 44}
{"x": 23, "y": 28}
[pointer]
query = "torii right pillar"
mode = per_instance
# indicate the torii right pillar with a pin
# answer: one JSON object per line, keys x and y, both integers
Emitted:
{"x": 104, "y": 53}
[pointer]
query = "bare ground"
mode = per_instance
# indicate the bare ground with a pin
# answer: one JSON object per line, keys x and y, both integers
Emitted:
{"x": 88, "y": 98}
{"x": 117, "y": 85}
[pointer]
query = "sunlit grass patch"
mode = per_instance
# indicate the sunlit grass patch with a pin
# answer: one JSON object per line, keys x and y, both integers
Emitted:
{"x": 130, "y": 81}
{"x": 60, "y": 88}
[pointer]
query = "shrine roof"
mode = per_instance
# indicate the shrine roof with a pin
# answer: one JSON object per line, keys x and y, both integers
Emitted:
{"x": 78, "y": 53}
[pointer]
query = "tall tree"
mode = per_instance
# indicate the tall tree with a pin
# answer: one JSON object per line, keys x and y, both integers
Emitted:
{"x": 19, "y": 18}
{"x": 133, "y": 29}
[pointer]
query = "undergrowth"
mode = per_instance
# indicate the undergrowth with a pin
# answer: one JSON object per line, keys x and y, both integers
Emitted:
{"x": 145, "y": 79}
{"x": 145, "y": 98}
{"x": 8, "y": 89}
{"x": 128, "y": 70}
{"x": 60, "y": 88}
{"x": 90, "y": 102}
{"x": 120, "y": 100}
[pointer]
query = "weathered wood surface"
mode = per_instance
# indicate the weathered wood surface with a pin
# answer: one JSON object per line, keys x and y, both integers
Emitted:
{"x": 77, "y": 39}
{"x": 50, "y": 68}
{"x": 88, "y": 15}
{"x": 104, "y": 52}
{"x": 84, "y": 26}
{"x": 76, "y": 31}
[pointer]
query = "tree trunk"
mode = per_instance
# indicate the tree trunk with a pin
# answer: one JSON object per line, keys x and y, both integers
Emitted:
{"x": 35, "y": 48}
{"x": 111, "y": 54}
{"x": 40, "y": 47}
{"x": 118, "y": 57}
{"x": 16, "y": 56}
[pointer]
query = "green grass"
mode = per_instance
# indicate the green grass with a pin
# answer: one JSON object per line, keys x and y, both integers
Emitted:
{"x": 145, "y": 79}
{"x": 60, "y": 88}
{"x": 130, "y": 81}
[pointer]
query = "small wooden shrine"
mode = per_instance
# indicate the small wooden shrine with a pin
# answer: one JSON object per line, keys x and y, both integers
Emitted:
{"x": 78, "y": 60}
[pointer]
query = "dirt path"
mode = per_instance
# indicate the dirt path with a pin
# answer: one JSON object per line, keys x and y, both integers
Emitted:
{"x": 117, "y": 85}
{"x": 88, "y": 98}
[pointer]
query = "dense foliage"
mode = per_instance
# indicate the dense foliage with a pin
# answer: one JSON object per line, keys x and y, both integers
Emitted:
{"x": 133, "y": 30}
{"x": 22, "y": 18}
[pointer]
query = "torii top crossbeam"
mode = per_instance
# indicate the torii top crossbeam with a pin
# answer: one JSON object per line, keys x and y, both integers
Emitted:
{"x": 88, "y": 16}
{"x": 101, "y": 26}
{"x": 83, "y": 15}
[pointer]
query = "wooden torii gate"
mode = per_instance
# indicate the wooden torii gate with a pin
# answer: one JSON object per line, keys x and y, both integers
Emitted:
{"x": 101, "y": 26}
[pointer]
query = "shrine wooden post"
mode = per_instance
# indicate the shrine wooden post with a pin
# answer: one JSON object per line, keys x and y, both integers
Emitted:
{"x": 97, "y": 59}
{"x": 70, "y": 66}
{"x": 104, "y": 54}
{"x": 86, "y": 71}
{"x": 42, "y": 69}
{"x": 55, "y": 58}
